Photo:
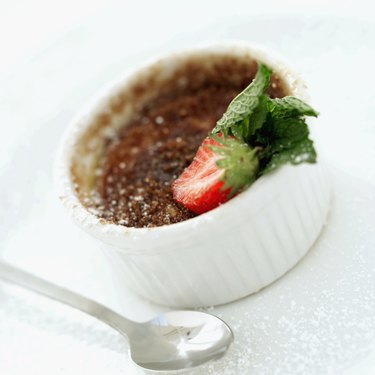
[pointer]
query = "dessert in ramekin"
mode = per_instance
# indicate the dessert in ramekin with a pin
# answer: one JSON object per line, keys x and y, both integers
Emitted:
{"x": 187, "y": 261}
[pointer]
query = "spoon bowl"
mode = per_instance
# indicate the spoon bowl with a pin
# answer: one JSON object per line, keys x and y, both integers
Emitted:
{"x": 180, "y": 340}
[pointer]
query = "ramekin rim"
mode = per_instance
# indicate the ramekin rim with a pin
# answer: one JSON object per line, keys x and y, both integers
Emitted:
{"x": 63, "y": 184}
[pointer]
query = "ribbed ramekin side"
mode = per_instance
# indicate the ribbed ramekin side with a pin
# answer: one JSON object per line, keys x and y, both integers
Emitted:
{"x": 232, "y": 266}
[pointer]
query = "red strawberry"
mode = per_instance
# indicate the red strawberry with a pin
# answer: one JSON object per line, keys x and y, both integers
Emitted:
{"x": 221, "y": 168}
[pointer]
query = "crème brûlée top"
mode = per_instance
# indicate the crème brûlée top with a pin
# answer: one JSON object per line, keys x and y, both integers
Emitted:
{"x": 134, "y": 177}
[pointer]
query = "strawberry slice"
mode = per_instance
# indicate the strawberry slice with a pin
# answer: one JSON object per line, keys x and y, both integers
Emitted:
{"x": 199, "y": 187}
{"x": 222, "y": 167}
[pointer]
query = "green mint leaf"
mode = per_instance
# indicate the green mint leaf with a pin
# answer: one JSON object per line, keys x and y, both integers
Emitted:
{"x": 301, "y": 152}
{"x": 245, "y": 103}
{"x": 289, "y": 106}
{"x": 286, "y": 132}
{"x": 241, "y": 130}
{"x": 258, "y": 117}
{"x": 239, "y": 161}
{"x": 284, "y": 140}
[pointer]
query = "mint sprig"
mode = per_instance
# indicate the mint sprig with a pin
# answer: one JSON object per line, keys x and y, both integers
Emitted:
{"x": 273, "y": 130}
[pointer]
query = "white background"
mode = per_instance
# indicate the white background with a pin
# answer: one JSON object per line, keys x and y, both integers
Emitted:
{"x": 28, "y": 25}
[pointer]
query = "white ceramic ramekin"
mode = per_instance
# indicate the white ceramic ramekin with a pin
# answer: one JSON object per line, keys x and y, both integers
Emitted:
{"x": 217, "y": 257}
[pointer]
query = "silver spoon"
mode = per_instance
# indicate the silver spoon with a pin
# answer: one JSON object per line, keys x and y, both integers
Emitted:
{"x": 171, "y": 341}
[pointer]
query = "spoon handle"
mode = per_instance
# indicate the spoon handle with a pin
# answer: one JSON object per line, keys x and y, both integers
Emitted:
{"x": 58, "y": 293}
